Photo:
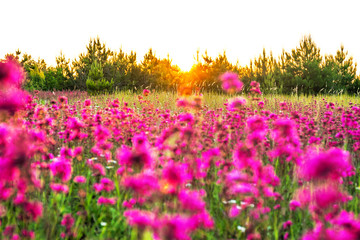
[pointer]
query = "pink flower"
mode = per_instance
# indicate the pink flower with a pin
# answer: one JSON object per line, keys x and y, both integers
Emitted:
{"x": 144, "y": 183}
{"x": 287, "y": 224}
{"x": 294, "y": 205}
{"x": 106, "y": 201}
{"x": 146, "y": 92}
{"x": 130, "y": 203}
{"x": 98, "y": 169}
{"x": 12, "y": 100}
{"x": 77, "y": 151}
{"x": 11, "y": 74}
{"x": 34, "y": 209}
{"x": 261, "y": 104}
{"x": 255, "y": 84}
{"x": 284, "y": 128}
{"x": 231, "y": 82}
{"x": 186, "y": 117}
{"x": 176, "y": 226}
{"x": 326, "y": 196}
{"x": 27, "y": 234}
{"x": 87, "y": 102}
{"x": 244, "y": 156}
{"x": 98, "y": 187}
{"x": 59, "y": 188}
{"x": 191, "y": 200}
{"x": 331, "y": 164}
{"x": 175, "y": 174}
{"x": 182, "y": 103}
{"x": 139, "y": 157}
{"x": 79, "y": 179}
{"x": 256, "y": 123}
{"x": 67, "y": 221}
{"x": 140, "y": 219}
{"x": 63, "y": 100}
{"x": 61, "y": 168}
{"x": 236, "y": 104}
{"x": 105, "y": 184}
{"x": 234, "y": 211}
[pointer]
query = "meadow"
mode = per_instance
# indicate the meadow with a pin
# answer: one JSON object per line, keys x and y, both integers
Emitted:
{"x": 184, "y": 165}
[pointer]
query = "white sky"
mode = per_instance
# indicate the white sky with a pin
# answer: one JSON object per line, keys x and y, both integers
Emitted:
{"x": 44, "y": 27}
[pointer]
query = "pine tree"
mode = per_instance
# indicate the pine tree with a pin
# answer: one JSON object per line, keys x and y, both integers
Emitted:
{"x": 96, "y": 83}
{"x": 96, "y": 51}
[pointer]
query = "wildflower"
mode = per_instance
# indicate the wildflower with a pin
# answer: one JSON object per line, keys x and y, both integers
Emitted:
{"x": 255, "y": 88}
{"x": 174, "y": 174}
{"x": 256, "y": 123}
{"x": 68, "y": 221}
{"x": 140, "y": 219}
{"x": 12, "y": 100}
{"x": 234, "y": 211}
{"x": 106, "y": 201}
{"x": 287, "y": 224}
{"x": 79, "y": 179}
{"x": 34, "y": 209}
{"x": 27, "y": 234}
{"x": 105, "y": 184}
{"x": 59, "y": 188}
{"x": 236, "y": 104}
{"x": 98, "y": 169}
{"x": 261, "y": 104}
{"x": 139, "y": 157}
{"x": 186, "y": 117}
{"x": 191, "y": 200}
{"x": 175, "y": 227}
{"x": 61, "y": 168}
{"x": 98, "y": 187}
{"x": 182, "y": 103}
{"x": 130, "y": 203}
{"x": 331, "y": 164}
{"x": 143, "y": 183}
{"x": 87, "y": 102}
{"x": 231, "y": 82}
{"x": 63, "y": 100}
{"x": 326, "y": 196}
{"x": 294, "y": 205}
{"x": 244, "y": 156}
{"x": 283, "y": 105}
{"x": 146, "y": 92}
{"x": 11, "y": 74}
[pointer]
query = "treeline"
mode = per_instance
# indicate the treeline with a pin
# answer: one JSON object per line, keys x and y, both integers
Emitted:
{"x": 303, "y": 70}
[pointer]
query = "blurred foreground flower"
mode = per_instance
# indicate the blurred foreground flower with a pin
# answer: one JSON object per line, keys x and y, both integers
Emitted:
{"x": 231, "y": 82}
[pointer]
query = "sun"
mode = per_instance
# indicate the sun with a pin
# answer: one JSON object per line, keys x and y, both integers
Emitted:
{"x": 184, "y": 65}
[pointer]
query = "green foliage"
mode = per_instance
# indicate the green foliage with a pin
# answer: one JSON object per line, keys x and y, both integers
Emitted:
{"x": 96, "y": 83}
{"x": 37, "y": 79}
{"x": 95, "y": 52}
{"x": 302, "y": 70}
{"x": 65, "y": 76}
{"x": 51, "y": 79}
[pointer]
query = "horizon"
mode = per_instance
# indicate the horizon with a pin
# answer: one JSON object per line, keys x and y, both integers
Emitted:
{"x": 179, "y": 29}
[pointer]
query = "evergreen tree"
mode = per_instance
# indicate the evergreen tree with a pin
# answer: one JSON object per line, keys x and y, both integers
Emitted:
{"x": 96, "y": 83}
{"x": 341, "y": 71}
{"x": 96, "y": 51}
{"x": 63, "y": 73}
{"x": 302, "y": 68}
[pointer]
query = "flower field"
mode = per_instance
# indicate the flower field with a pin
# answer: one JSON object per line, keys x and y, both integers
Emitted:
{"x": 161, "y": 165}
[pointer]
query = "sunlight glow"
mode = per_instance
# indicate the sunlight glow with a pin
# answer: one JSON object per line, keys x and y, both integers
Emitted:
{"x": 178, "y": 28}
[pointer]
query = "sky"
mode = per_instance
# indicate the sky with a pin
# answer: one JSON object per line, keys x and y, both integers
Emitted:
{"x": 43, "y": 28}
